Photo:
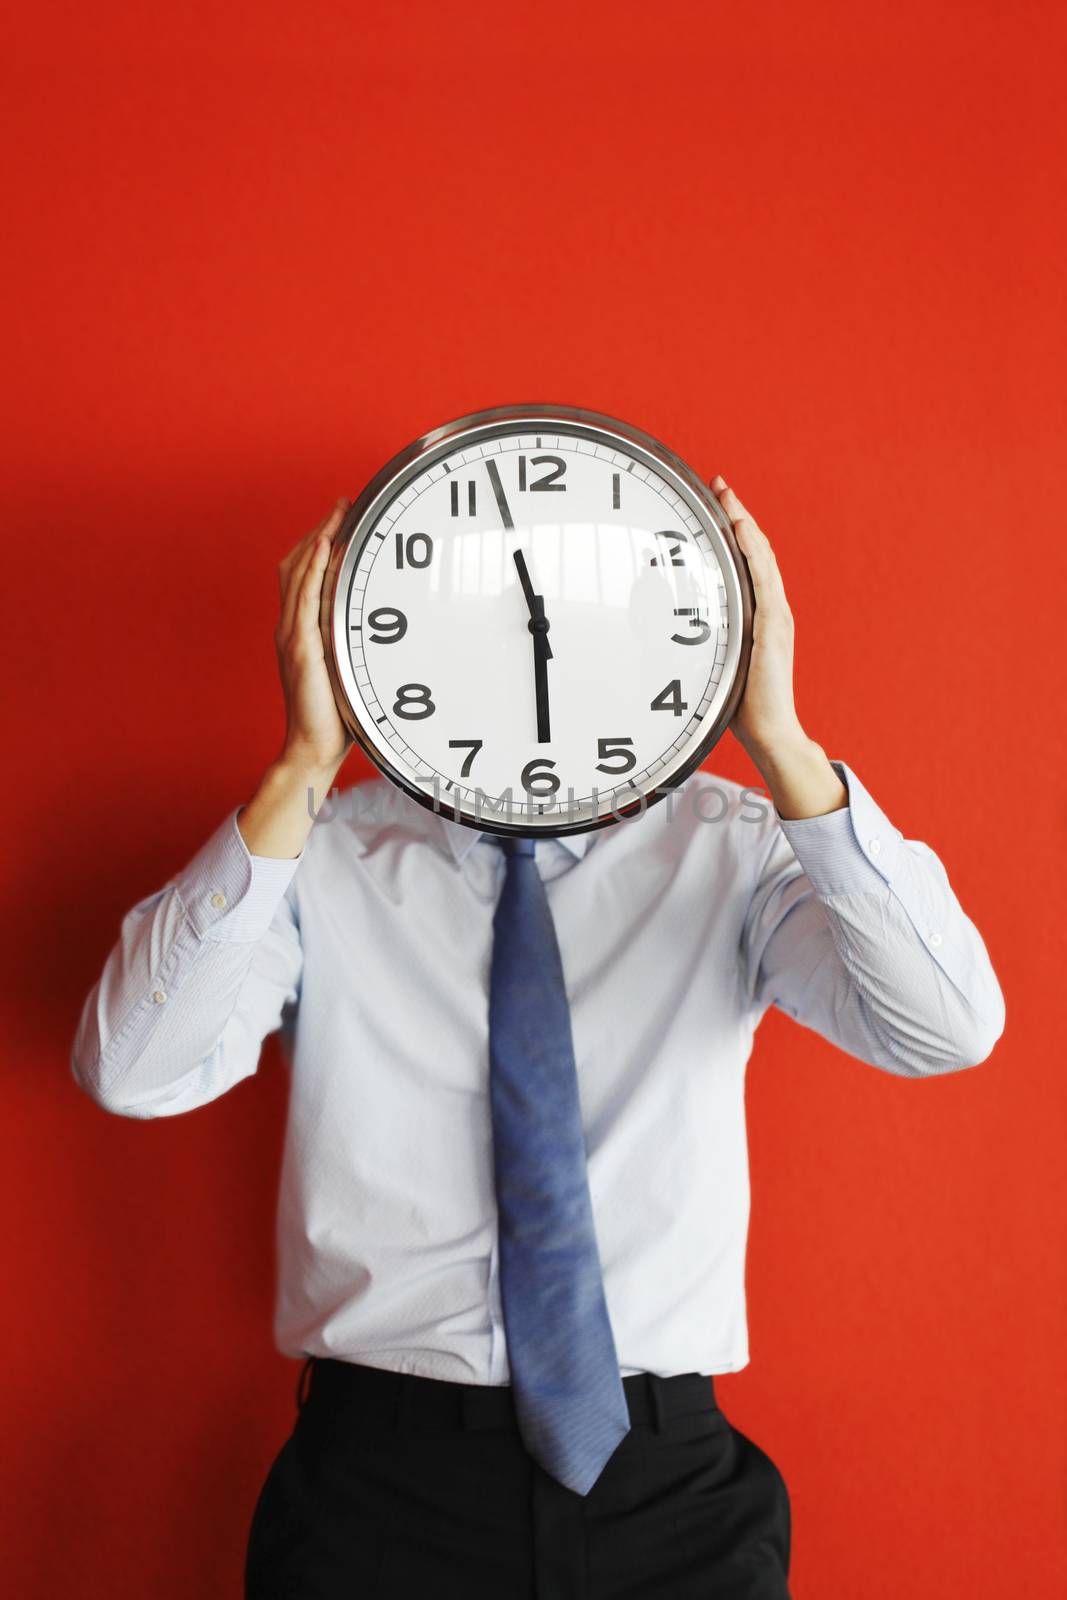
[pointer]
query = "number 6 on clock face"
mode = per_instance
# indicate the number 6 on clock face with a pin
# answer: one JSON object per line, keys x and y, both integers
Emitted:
{"x": 537, "y": 620}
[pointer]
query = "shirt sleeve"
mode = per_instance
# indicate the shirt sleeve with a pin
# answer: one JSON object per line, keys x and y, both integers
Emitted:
{"x": 202, "y": 971}
{"x": 855, "y": 932}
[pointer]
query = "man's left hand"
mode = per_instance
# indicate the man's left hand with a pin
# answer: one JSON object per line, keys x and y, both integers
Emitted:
{"x": 798, "y": 774}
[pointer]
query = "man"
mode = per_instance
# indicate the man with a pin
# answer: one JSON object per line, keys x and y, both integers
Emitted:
{"x": 464, "y": 1430}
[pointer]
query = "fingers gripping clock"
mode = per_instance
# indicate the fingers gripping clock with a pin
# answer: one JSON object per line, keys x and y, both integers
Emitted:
{"x": 537, "y": 620}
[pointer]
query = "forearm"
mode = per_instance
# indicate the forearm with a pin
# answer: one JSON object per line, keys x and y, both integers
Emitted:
{"x": 164, "y": 1035}
{"x": 799, "y": 777}
{"x": 855, "y": 931}
{"x": 278, "y": 818}
{"x": 196, "y": 979}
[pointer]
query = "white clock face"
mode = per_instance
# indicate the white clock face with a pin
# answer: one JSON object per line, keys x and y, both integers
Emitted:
{"x": 536, "y": 629}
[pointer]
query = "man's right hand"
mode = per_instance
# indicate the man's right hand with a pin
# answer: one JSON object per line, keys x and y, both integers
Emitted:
{"x": 278, "y": 818}
{"x": 315, "y": 737}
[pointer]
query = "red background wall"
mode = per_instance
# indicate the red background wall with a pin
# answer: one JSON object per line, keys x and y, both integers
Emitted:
{"x": 258, "y": 248}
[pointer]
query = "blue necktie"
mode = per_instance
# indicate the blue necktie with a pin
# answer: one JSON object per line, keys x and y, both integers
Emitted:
{"x": 565, "y": 1375}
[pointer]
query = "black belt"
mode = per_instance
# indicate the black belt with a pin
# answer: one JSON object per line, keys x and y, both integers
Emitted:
{"x": 403, "y": 1401}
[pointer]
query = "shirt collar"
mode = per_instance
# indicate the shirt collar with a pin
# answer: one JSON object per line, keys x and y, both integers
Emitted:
{"x": 462, "y": 839}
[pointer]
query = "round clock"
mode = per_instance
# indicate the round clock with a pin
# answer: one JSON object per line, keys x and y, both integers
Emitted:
{"x": 537, "y": 620}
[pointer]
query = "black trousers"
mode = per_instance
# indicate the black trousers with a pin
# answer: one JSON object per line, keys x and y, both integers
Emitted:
{"x": 392, "y": 1487}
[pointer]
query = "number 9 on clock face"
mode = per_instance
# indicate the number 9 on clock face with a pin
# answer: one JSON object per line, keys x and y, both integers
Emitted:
{"x": 537, "y": 620}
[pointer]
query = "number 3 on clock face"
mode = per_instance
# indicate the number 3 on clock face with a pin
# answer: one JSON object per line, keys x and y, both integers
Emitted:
{"x": 537, "y": 619}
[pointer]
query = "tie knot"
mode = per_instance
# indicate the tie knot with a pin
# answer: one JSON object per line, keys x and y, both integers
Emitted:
{"x": 517, "y": 844}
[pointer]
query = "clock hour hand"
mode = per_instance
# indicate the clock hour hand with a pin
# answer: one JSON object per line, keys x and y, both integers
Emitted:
{"x": 538, "y": 626}
{"x": 536, "y": 604}
{"x": 524, "y": 579}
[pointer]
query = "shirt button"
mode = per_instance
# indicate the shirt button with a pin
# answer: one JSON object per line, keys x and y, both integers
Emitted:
{"x": 218, "y": 900}
{"x": 158, "y": 996}
{"x": 935, "y": 939}
{"x": 874, "y": 846}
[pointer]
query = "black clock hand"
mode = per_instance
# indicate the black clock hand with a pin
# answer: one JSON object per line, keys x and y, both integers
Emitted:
{"x": 544, "y": 733}
{"x": 538, "y": 626}
{"x": 536, "y": 604}
{"x": 524, "y": 579}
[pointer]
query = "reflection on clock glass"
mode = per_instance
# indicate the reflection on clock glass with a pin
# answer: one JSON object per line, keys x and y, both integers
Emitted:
{"x": 537, "y": 621}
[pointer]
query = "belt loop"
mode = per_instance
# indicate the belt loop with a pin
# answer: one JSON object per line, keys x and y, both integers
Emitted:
{"x": 302, "y": 1383}
{"x": 659, "y": 1410}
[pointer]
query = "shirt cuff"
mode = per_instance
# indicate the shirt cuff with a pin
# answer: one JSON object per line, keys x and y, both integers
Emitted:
{"x": 229, "y": 894}
{"x": 848, "y": 851}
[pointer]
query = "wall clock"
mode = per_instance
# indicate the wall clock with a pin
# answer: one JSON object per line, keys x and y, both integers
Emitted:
{"x": 537, "y": 620}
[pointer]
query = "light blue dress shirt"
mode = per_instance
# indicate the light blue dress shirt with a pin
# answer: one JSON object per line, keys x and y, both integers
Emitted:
{"x": 371, "y": 951}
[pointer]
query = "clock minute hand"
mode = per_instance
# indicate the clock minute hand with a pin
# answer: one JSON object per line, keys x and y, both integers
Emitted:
{"x": 541, "y": 655}
{"x": 538, "y": 626}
